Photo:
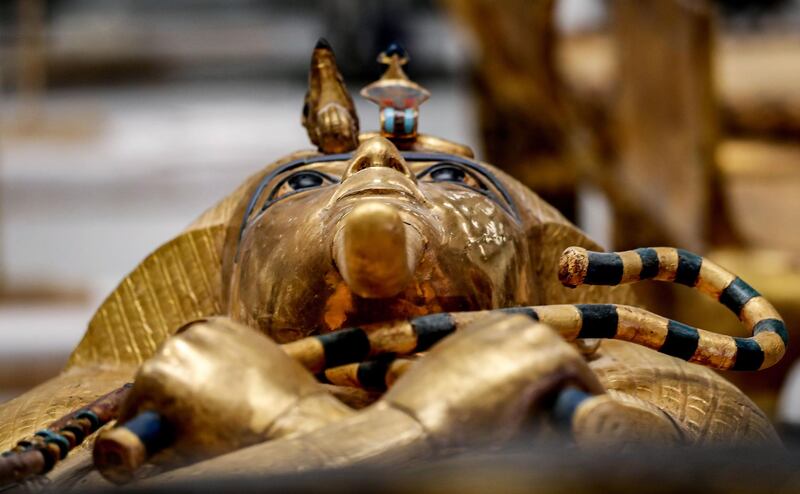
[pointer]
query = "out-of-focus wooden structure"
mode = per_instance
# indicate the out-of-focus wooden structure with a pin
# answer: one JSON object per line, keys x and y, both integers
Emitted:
{"x": 524, "y": 116}
{"x": 691, "y": 132}
{"x": 752, "y": 185}
{"x": 665, "y": 118}
{"x": 31, "y": 74}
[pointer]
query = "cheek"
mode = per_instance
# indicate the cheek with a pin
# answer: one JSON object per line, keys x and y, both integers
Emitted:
{"x": 281, "y": 274}
{"x": 476, "y": 225}
{"x": 484, "y": 250}
{"x": 285, "y": 237}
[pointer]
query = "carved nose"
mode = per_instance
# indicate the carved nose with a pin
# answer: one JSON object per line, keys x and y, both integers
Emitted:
{"x": 378, "y": 152}
{"x": 375, "y": 252}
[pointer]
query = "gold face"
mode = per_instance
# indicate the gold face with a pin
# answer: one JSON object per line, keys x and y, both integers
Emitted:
{"x": 465, "y": 247}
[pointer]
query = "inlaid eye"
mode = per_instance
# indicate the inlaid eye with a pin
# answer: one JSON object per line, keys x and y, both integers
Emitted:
{"x": 298, "y": 182}
{"x": 452, "y": 173}
{"x": 448, "y": 174}
{"x": 304, "y": 180}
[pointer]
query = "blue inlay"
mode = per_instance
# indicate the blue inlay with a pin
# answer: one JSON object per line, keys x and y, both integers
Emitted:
{"x": 388, "y": 120}
{"x": 91, "y": 416}
{"x": 681, "y": 341}
{"x": 395, "y": 48}
{"x": 566, "y": 404}
{"x": 151, "y": 429}
{"x": 409, "y": 120}
{"x": 774, "y": 325}
{"x": 749, "y": 355}
{"x": 54, "y": 437}
{"x": 736, "y": 295}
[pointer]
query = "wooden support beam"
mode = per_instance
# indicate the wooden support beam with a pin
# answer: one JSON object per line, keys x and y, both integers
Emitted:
{"x": 666, "y": 117}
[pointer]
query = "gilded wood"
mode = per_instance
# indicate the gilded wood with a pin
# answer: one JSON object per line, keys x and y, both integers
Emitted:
{"x": 275, "y": 263}
{"x": 179, "y": 282}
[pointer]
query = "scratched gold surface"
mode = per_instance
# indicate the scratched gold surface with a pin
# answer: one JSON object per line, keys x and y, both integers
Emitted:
{"x": 190, "y": 277}
{"x": 225, "y": 386}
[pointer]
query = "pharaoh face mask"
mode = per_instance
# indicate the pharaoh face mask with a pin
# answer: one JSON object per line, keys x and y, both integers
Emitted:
{"x": 409, "y": 237}
{"x": 376, "y": 235}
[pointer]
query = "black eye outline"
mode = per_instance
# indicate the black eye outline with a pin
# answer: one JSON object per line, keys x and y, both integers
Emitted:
{"x": 483, "y": 189}
{"x": 325, "y": 180}
{"x": 449, "y": 165}
{"x": 507, "y": 203}
{"x": 299, "y": 181}
{"x": 459, "y": 176}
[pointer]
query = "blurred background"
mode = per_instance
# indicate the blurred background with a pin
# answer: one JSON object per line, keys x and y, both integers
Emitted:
{"x": 658, "y": 122}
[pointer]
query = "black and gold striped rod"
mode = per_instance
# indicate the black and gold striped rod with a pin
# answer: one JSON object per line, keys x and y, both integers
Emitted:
{"x": 365, "y": 357}
{"x": 621, "y": 322}
{"x": 769, "y": 337}
{"x": 374, "y": 375}
{"x": 358, "y": 344}
{"x": 380, "y": 374}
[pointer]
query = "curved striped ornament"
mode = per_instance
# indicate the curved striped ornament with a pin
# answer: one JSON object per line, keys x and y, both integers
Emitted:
{"x": 764, "y": 348}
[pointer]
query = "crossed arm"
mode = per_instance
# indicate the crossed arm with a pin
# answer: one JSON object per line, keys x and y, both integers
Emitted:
{"x": 240, "y": 405}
